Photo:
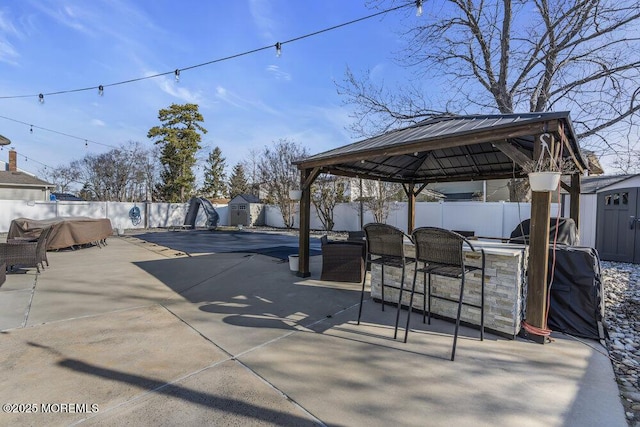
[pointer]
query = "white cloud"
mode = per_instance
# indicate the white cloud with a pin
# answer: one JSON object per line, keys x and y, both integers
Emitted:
{"x": 377, "y": 73}
{"x": 237, "y": 101}
{"x": 173, "y": 88}
{"x": 278, "y": 74}
{"x": 67, "y": 16}
{"x": 8, "y": 53}
{"x": 262, "y": 13}
{"x": 97, "y": 122}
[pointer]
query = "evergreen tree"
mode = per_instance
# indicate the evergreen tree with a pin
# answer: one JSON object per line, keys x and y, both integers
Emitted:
{"x": 238, "y": 182}
{"x": 179, "y": 135}
{"x": 214, "y": 177}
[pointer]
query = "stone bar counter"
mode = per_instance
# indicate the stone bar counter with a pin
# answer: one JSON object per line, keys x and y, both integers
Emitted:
{"x": 505, "y": 287}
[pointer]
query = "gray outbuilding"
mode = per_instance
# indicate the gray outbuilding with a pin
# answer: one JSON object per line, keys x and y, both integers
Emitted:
{"x": 246, "y": 209}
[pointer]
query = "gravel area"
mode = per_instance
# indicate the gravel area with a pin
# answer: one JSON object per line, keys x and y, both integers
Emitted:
{"x": 622, "y": 317}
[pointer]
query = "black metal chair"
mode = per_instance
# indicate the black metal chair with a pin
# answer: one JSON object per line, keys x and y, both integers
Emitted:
{"x": 441, "y": 254}
{"x": 385, "y": 247}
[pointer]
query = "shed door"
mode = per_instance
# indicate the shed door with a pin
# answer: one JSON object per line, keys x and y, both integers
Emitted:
{"x": 241, "y": 215}
{"x": 618, "y": 225}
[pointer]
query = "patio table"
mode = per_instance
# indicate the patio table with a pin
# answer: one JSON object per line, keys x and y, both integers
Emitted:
{"x": 67, "y": 231}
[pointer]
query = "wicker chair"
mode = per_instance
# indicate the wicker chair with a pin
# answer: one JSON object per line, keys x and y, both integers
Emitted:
{"x": 440, "y": 252}
{"x": 342, "y": 261}
{"x": 385, "y": 247}
{"x": 26, "y": 253}
{"x": 3, "y": 271}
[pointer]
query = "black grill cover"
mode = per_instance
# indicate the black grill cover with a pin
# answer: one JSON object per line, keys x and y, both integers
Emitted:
{"x": 567, "y": 232}
{"x": 576, "y": 296}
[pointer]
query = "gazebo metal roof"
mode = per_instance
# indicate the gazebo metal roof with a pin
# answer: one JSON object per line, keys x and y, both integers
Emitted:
{"x": 450, "y": 148}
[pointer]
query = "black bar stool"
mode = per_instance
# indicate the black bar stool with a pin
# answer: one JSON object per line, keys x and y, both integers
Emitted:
{"x": 440, "y": 252}
{"x": 385, "y": 246}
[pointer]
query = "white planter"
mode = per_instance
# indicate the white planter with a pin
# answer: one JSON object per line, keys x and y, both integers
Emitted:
{"x": 544, "y": 181}
{"x": 293, "y": 262}
{"x": 295, "y": 194}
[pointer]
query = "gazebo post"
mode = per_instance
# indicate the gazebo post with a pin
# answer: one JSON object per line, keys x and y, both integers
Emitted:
{"x": 411, "y": 207}
{"x": 305, "y": 224}
{"x": 538, "y": 256}
{"x": 574, "y": 201}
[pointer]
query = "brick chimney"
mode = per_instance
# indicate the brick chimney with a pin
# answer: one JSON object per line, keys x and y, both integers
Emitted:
{"x": 13, "y": 161}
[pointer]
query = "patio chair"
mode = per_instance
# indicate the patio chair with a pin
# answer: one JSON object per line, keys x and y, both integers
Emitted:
{"x": 385, "y": 247}
{"x": 356, "y": 236}
{"x": 26, "y": 253}
{"x": 3, "y": 271}
{"x": 342, "y": 261}
{"x": 440, "y": 252}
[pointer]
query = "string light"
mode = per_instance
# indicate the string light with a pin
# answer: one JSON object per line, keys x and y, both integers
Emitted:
{"x": 177, "y": 74}
{"x": 86, "y": 144}
{"x": 59, "y": 133}
{"x": 31, "y": 130}
{"x": 418, "y": 7}
{"x": 278, "y": 46}
{"x": 101, "y": 90}
{"x": 29, "y": 158}
{"x": 278, "y": 49}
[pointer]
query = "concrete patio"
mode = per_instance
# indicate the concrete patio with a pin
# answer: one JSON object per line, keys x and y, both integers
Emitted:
{"x": 154, "y": 336}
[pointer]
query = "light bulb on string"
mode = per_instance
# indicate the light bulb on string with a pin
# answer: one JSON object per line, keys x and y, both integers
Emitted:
{"x": 278, "y": 49}
{"x": 177, "y": 74}
{"x": 41, "y": 98}
{"x": 31, "y": 130}
{"x": 418, "y": 7}
{"x": 86, "y": 144}
{"x": 101, "y": 90}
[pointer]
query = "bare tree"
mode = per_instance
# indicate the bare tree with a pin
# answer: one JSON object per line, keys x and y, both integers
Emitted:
{"x": 128, "y": 173}
{"x": 326, "y": 193}
{"x": 279, "y": 176}
{"x": 508, "y": 56}
{"x": 252, "y": 171}
{"x": 378, "y": 198}
{"x": 63, "y": 176}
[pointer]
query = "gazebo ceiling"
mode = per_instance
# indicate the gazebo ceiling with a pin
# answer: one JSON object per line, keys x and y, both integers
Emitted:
{"x": 450, "y": 148}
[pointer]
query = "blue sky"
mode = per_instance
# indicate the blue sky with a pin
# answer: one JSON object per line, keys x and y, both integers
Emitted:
{"x": 247, "y": 102}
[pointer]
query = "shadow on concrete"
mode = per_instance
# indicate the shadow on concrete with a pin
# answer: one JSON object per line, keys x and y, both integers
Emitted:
{"x": 221, "y": 403}
{"x": 252, "y": 290}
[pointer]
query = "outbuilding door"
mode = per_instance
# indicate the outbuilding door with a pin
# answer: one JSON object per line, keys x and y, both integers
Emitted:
{"x": 239, "y": 214}
{"x": 618, "y": 225}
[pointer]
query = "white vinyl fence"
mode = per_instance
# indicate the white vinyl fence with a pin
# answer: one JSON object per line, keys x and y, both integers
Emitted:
{"x": 488, "y": 219}
{"x": 152, "y": 215}
{"x": 485, "y": 219}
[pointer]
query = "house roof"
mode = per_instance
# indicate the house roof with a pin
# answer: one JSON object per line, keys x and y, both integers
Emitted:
{"x": 67, "y": 197}
{"x": 22, "y": 179}
{"x": 592, "y": 184}
{"x": 450, "y": 148}
{"x": 248, "y": 198}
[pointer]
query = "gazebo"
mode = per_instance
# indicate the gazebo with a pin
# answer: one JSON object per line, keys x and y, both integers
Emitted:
{"x": 459, "y": 148}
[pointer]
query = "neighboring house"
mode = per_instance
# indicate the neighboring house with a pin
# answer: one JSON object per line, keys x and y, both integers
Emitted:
{"x": 66, "y": 197}
{"x": 609, "y": 216}
{"x": 19, "y": 185}
{"x": 246, "y": 209}
{"x": 495, "y": 190}
{"x": 352, "y": 191}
